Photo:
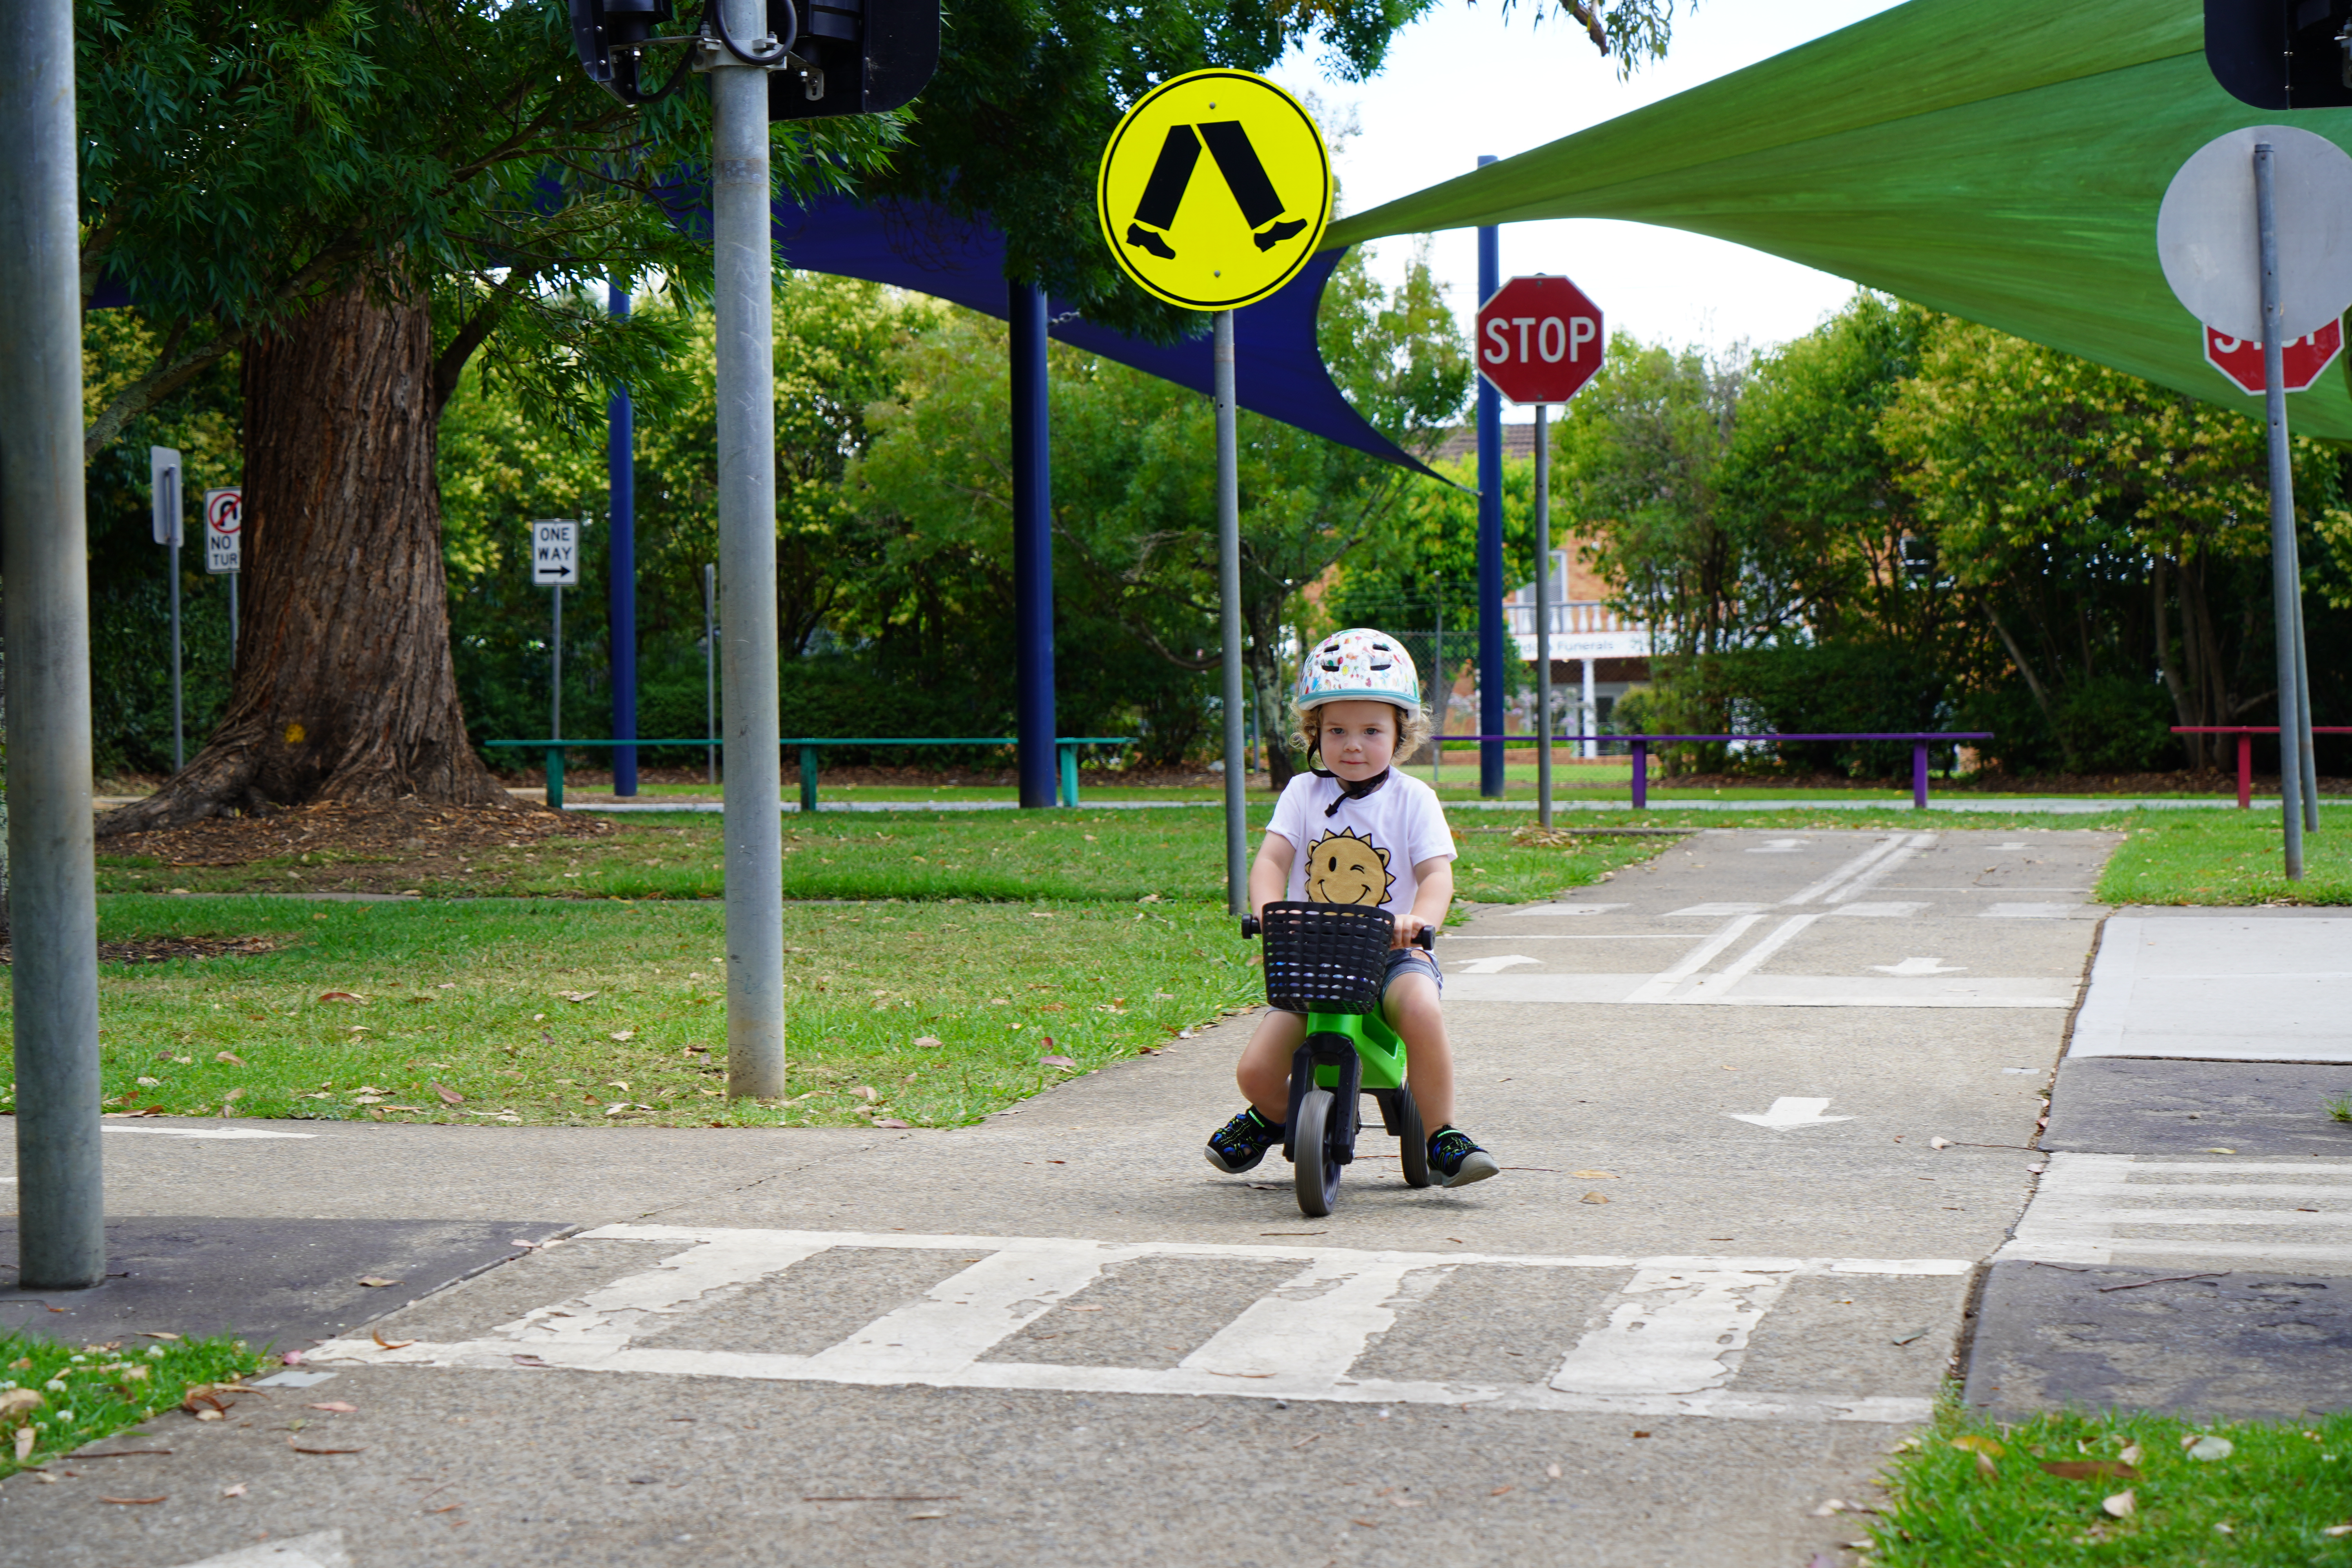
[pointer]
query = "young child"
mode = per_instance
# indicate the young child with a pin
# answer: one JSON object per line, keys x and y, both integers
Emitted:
{"x": 1354, "y": 831}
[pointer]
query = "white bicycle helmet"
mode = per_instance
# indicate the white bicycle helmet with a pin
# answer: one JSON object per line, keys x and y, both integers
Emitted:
{"x": 1358, "y": 665}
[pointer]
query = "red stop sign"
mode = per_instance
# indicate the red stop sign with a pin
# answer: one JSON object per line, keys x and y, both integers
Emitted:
{"x": 1539, "y": 340}
{"x": 2302, "y": 359}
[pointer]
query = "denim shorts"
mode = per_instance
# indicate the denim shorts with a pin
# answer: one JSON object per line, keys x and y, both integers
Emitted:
{"x": 1409, "y": 961}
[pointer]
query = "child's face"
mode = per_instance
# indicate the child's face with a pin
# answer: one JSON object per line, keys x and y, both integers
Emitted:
{"x": 1358, "y": 738}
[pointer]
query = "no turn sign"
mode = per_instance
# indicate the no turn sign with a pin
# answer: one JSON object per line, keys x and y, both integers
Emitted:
{"x": 1539, "y": 340}
{"x": 224, "y": 530}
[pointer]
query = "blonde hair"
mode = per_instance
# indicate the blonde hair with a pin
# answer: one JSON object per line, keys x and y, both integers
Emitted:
{"x": 1413, "y": 728}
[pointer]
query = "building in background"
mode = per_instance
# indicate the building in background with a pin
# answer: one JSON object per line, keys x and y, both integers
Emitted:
{"x": 1597, "y": 653}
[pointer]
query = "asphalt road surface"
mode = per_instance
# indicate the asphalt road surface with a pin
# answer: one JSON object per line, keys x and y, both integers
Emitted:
{"x": 1763, "y": 1105}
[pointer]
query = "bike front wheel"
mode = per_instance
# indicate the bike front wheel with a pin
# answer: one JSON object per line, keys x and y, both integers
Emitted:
{"x": 1313, "y": 1171}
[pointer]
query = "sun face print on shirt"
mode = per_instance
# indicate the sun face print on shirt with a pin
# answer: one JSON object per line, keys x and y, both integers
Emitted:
{"x": 1343, "y": 868}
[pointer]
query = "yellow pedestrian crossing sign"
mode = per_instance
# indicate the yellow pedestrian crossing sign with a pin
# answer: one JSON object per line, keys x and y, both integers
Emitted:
{"x": 1218, "y": 232}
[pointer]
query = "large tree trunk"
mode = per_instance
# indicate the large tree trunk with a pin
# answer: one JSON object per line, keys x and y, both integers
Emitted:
{"x": 344, "y": 687}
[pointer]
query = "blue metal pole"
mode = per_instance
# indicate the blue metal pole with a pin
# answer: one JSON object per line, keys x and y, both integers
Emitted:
{"x": 1490, "y": 536}
{"x": 1032, "y": 550}
{"x": 621, "y": 476}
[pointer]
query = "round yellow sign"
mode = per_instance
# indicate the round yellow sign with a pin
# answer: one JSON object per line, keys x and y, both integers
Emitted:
{"x": 1214, "y": 190}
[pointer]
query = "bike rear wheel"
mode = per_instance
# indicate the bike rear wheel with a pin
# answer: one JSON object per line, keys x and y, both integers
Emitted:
{"x": 1412, "y": 1140}
{"x": 1314, "y": 1172}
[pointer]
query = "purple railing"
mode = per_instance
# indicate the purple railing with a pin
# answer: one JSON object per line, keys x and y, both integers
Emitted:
{"x": 1920, "y": 741}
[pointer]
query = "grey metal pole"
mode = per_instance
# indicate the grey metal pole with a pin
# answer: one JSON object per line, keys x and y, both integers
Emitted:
{"x": 179, "y": 735}
{"x": 1543, "y": 615}
{"x": 743, "y": 304}
{"x": 2285, "y": 590}
{"x": 61, "y": 1226}
{"x": 555, "y": 669}
{"x": 1229, "y": 589}
{"x": 710, "y": 663}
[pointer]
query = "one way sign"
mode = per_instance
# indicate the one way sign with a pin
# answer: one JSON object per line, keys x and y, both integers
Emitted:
{"x": 555, "y": 554}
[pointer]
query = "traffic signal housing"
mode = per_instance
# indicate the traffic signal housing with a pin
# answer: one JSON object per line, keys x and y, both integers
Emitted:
{"x": 599, "y": 27}
{"x": 2281, "y": 54}
{"x": 868, "y": 56}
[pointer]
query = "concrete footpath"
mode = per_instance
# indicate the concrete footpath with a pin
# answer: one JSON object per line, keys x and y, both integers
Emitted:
{"x": 1766, "y": 1106}
{"x": 2190, "y": 1247}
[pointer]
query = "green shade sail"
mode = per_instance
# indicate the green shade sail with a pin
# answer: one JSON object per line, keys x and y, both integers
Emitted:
{"x": 2001, "y": 159}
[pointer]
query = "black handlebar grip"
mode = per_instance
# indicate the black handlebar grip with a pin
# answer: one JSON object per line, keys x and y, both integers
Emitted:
{"x": 1425, "y": 938}
{"x": 1249, "y": 926}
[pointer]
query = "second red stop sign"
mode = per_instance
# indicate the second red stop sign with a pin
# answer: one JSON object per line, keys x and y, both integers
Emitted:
{"x": 1539, "y": 340}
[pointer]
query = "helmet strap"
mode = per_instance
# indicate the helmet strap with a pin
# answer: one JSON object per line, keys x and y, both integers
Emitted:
{"x": 1348, "y": 792}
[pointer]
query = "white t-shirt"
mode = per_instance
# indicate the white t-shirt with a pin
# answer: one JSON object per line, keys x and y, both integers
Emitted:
{"x": 1363, "y": 852}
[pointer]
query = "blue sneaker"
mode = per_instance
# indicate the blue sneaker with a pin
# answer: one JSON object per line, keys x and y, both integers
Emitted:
{"x": 1241, "y": 1144}
{"x": 1456, "y": 1160}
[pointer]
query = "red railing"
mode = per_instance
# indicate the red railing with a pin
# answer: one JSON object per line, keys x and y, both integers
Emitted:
{"x": 2246, "y": 733}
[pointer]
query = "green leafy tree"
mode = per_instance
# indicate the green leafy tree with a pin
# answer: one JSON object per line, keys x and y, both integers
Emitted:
{"x": 357, "y": 204}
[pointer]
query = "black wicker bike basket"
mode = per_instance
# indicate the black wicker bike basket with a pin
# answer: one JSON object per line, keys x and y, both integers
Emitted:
{"x": 1326, "y": 958}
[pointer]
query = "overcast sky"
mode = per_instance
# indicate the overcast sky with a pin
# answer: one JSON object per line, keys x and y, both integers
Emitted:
{"x": 1464, "y": 81}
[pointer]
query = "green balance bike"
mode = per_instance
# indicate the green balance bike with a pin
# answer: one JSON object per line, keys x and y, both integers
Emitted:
{"x": 1328, "y": 961}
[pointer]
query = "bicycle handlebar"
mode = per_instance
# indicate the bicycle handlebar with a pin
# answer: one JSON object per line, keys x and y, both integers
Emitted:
{"x": 1424, "y": 939}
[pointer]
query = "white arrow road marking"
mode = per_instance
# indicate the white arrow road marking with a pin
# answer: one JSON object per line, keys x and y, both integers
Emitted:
{"x": 1921, "y": 966}
{"x": 1566, "y": 909}
{"x": 1777, "y": 847}
{"x": 1789, "y": 1111}
{"x": 1673, "y": 1342}
{"x": 1495, "y": 965}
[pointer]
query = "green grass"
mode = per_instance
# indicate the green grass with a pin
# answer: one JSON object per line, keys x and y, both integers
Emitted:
{"x": 1119, "y": 856}
{"x": 99, "y": 1390}
{"x": 2228, "y": 858}
{"x": 1106, "y": 931}
{"x": 2270, "y": 1500}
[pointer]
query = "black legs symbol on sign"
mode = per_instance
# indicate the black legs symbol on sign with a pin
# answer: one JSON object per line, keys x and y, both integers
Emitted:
{"x": 1236, "y": 160}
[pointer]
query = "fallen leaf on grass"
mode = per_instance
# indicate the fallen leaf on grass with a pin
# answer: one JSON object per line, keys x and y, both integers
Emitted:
{"x": 2337, "y": 1530}
{"x": 2122, "y": 1505}
{"x": 1980, "y": 1445}
{"x": 133, "y": 1501}
{"x": 448, "y": 1096}
{"x": 624, "y": 1034}
{"x": 341, "y": 996}
{"x": 16, "y": 1399}
{"x": 892, "y": 1122}
{"x": 382, "y": 1343}
{"x": 930, "y": 1041}
{"x": 1063, "y": 1062}
{"x": 2130, "y": 1456}
{"x": 2209, "y": 1447}
{"x": 24, "y": 1436}
{"x": 576, "y": 996}
{"x": 1986, "y": 1467}
{"x": 334, "y": 1404}
{"x": 374, "y": 1280}
{"x": 2089, "y": 1469}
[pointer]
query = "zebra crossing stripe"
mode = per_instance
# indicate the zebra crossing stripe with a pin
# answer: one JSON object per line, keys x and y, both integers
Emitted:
{"x": 2093, "y": 1208}
{"x": 1672, "y": 1341}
